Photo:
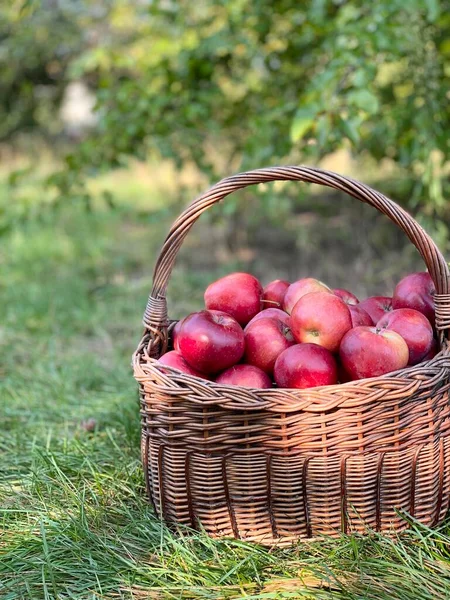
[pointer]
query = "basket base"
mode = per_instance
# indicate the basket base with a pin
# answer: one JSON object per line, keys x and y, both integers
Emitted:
{"x": 279, "y": 499}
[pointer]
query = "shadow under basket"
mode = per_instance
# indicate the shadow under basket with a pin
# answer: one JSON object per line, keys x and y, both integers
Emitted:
{"x": 277, "y": 465}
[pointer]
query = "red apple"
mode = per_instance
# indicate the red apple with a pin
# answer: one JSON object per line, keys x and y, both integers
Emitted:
{"x": 414, "y": 328}
{"x": 274, "y": 292}
{"x": 343, "y": 376}
{"x": 265, "y": 339}
{"x": 299, "y": 288}
{"x": 211, "y": 341}
{"x": 370, "y": 352}
{"x": 376, "y": 306}
{"x": 305, "y": 366}
{"x": 321, "y": 318}
{"x": 416, "y": 291}
{"x": 175, "y": 360}
{"x": 346, "y": 296}
{"x": 175, "y": 334}
{"x": 237, "y": 294}
{"x": 432, "y": 352}
{"x": 246, "y": 376}
{"x": 271, "y": 313}
{"x": 359, "y": 316}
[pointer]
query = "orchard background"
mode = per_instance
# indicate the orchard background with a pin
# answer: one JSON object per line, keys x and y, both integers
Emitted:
{"x": 113, "y": 115}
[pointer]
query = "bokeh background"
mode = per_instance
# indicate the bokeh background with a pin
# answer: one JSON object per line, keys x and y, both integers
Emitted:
{"x": 126, "y": 110}
{"x": 114, "y": 114}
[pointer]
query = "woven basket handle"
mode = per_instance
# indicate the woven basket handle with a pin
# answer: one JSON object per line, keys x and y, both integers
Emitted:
{"x": 155, "y": 317}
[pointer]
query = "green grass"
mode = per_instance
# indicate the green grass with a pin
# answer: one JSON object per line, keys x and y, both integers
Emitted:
{"x": 74, "y": 521}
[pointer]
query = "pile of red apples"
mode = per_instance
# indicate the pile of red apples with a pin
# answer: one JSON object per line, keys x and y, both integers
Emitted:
{"x": 303, "y": 334}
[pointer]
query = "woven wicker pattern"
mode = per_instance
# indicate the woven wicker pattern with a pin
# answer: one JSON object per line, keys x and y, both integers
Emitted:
{"x": 276, "y": 465}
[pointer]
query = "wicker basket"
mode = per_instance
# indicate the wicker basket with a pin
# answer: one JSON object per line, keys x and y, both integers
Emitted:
{"x": 278, "y": 465}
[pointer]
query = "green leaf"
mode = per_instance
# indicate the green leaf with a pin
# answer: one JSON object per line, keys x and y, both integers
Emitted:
{"x": 433, "y": 9}
{"x": 360, "y": 78}
{"x": 323, "y": 130}
{"x": 365, "y": 100}
{"x": 348, "y": 13}
{"x": 318, "y": 11}
{"x": 349, "y": 129}
{"x": 302, "y": 122}
{"x": 445, "y": 47}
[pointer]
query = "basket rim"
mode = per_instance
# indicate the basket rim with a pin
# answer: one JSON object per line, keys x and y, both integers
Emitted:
{"x": 260, "y": 398}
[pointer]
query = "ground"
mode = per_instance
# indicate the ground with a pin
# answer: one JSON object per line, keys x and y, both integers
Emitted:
{"x": 74, "y": 518}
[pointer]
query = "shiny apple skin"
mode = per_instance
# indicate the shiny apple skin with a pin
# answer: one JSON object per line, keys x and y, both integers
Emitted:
{"x": 321, "y": 318}
{"x": 359, "y": 316}
{"x": 175, "y": 360}
{"x": 416, "y": 291}
{"x": 237, "y": 294}
{"x": 371, "y": 352}
{"x": 211, "y": 341}
{"x": 376, "y": 306}
{"x": 414, "y": 328}
{"x": 274, "y": 292}
{"x": 305, "y": 366}
{"x": 247, "y": 376}
{"x": 346, "y": 296}
{"x": 265, "y": 340}
{"x": 271, "y": 313}
{"x": 300, "y": 288}
{"x": 432, "y": 352}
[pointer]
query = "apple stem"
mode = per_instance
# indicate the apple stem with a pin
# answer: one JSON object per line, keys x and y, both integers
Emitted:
{"x": 271, "y": 302}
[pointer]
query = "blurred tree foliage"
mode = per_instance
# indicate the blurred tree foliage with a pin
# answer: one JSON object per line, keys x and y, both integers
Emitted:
{"x": 38, "y": 41}
{"x": 230, "y": 85}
